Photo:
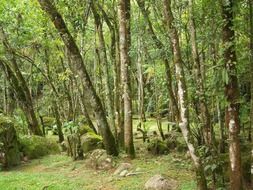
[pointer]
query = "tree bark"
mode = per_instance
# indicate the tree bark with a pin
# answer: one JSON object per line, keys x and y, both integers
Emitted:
{"x": 182, "y": 95}
{"x": 124, "y": 28}
{"x": 79, "y": 67}
{"x": 250, "y": 2}
{"x": 232, "y": 96}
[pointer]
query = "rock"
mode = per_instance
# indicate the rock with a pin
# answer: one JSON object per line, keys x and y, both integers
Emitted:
{"x": 83, "y": 129}
{"x": 9, "y": 150}
{"x": 90, "y": 141}
{"x": 157, "y": 147}
{"x": 98, "y": 159}
{"x": 122, "y": 167}
{"x": 159, "y": 182}
{"x": 123, "y": 173}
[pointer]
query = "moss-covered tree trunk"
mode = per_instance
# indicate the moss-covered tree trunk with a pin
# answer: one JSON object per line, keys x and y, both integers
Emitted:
{"x": 8, "y": 143}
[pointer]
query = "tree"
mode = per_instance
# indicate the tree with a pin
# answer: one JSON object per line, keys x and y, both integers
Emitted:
{"x": 79, "y": 67}
{"x": 124, "y": 35}
{"x": 182, "y": 95}
{"x": 232, "y": 95}
{"x": 204, "y": 112}
{"x": 20, "y": 86}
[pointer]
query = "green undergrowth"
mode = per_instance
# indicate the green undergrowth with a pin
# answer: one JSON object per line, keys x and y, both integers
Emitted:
{"x": 58, "y": 172}
{"x": 36, "y": 146}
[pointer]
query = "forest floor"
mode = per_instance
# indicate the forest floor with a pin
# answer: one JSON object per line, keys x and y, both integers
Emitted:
{"x": 59, "y": 172}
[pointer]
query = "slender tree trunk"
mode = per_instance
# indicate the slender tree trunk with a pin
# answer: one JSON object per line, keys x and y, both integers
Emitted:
{"x": 251, "y": 63}
{"x": 79, "y": 67}
{"x": 140, "y": 85}
{"x": 124, "y": 28}
{"x": 182, "y": 95}
{"x": 204, "y": 112}
{"x": 232, "y": 96}
{"x": 58, "y": 121}
{"x": 160, "y": 46}
{"x": 114, "y": 54}
{"x": 118, "y": 100}
{"x": 105, "y": 65}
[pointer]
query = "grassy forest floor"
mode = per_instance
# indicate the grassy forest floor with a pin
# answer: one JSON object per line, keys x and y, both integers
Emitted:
{"x": 59, "y": 172}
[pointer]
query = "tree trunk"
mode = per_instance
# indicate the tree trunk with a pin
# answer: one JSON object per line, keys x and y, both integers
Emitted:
{"x": 58, "y": 121}
{"x": 26, "y": 101}
{"x": 160, "y": 46}
{"x": 141, "y": 94}
{"x": 251, "y": 63}
{"x": 182, "y": 95}
{"x": 204, "y": 113}
{"x": 232, "y": 96}
{"x": 124, "y": 28}
{"x": 105, "y": 65}
{"x": 79, "y": 67}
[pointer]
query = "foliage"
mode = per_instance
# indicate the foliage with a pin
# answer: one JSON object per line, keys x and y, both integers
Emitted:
{"x": 36, "y": 146}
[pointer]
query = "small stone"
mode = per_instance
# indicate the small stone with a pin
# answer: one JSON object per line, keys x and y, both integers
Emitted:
{"x": 123, "y": 173}
{"x": 122, "y": 167}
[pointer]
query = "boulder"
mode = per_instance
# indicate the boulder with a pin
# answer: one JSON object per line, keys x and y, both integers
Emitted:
{"x": 83, "y": 129}
{"x": 98, "y": 159}
{"x": 159, "y": 182}
{"x": 122, "y": 167}
{"x": 9, "y": 150}
{"x": 90, "y": 141}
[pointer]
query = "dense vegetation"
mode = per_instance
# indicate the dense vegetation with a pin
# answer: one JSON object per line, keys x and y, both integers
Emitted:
{"x": 147, "y": 81}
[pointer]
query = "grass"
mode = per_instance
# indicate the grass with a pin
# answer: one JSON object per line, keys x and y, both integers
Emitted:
{"x": 59, "y": 172}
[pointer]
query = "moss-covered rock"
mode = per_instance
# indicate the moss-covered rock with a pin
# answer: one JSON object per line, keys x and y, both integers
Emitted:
{"x": 9, "y": 151}
{"x": 91, "y": 141}
{"x": 157, "y": 147}
{"x": 83, "y": 129}
{"x": 36, "y": 146}
{"x": 48, "y": 121}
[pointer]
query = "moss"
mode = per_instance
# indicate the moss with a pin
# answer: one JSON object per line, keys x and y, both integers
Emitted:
{"x": 83, "y": 129}
{"x": 8, "y": 142}
{"x": 36, "y": 146}
{"x": 157, "y": 147}
{"x": 48, "y": 121}
{"x": 91, "y": 141}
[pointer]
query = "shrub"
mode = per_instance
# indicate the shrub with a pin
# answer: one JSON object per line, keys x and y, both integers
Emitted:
{"x": 36, "y": 146}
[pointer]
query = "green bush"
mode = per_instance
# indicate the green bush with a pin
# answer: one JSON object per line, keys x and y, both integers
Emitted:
{"x": 36, "y": 146}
